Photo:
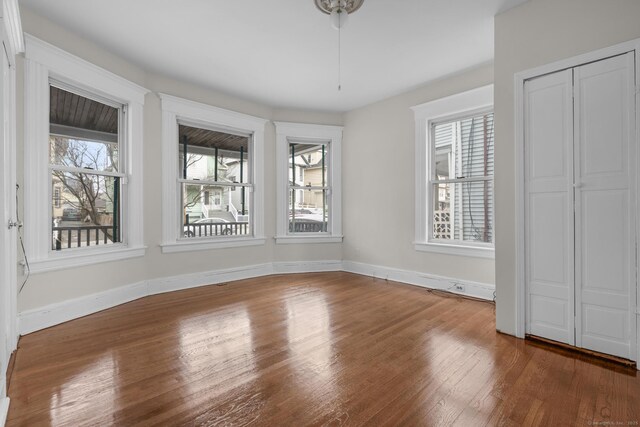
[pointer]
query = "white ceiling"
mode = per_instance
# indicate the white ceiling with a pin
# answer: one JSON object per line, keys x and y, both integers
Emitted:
{"x": 284, "y": 52}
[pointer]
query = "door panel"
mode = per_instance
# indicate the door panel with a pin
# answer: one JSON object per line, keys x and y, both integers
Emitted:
{"x": 549, "y": 206}
{"x": 548, "y": 259}
{"x": 605, "y": 156}
{"x": 605, "y": 329}
{"x": 605, "y": 237}
{"x": 601, "y": 91}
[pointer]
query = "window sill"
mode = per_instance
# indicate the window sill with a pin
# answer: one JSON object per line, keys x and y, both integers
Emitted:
{"x": 461, "y": 250}
{"x": 64, "y": 261}
{"x": 281, "y": 240}
{"x": 202, "y": 245}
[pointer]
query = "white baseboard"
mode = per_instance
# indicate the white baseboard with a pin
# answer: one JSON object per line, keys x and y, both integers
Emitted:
{"x": 186, "y": 281}
{"x": 431, "y": 281}
{"x": 194, "y": 280}
{"x": 306, "y": 266}
{"x": 4, "y": 410}
{"x": 41, "y": 318}
{"x": 54, "y": 314}
{"x": 50, "y": 315}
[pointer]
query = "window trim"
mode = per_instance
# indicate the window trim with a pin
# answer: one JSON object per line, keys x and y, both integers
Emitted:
{"x": 331, "y": 135}
{"x": 177, "y": 110}
{"x": 443, "y": 109}
{"x": 45, "y": 63}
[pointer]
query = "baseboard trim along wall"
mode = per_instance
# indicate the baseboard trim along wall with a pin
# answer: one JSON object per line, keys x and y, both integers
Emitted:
{"x": 425, "y": 280}
{"x": 54, "y": 314}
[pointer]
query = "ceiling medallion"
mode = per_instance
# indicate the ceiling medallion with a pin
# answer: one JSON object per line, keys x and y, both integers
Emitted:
{"x": 327, "y": 6}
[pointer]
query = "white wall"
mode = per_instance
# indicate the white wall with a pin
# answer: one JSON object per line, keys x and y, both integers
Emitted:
{"x": 537, "y": 33}
{"x": 378, "y": 183}
{"x": 48, "y": 288}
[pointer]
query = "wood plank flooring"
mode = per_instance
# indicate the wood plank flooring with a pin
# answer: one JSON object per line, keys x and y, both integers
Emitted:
{"x": 310, "y": 349}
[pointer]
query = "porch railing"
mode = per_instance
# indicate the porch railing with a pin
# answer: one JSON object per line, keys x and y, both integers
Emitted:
{"x": 86, "y": 235}
{"x": 301, "y": 226}
{"x": 216, "y": 229}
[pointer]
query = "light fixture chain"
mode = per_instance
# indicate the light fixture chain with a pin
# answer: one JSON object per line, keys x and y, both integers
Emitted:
{"x": 339, "y": 59}
{"x": 338, "y": 11}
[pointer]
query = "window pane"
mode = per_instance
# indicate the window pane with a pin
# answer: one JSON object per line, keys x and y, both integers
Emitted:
{"x": 476, "y": 157}
{"x": 308, "y": 211}
{"x": 442, "y": 218}
{"x": 443, "y": 163}
{"x": 463, "y": 211}
{"x": 83, "y": 132}
{"x": 308, "y": 164}
{"x": 85, "y": 210}
{"x": 78, "y": 153}
{"x": 212, "y": 155}
{"x": 210, "y": 210}
{"x": 467, "y": 144}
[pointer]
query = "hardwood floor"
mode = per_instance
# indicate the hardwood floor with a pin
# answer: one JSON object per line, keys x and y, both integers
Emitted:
{"x": 310, "y": 349}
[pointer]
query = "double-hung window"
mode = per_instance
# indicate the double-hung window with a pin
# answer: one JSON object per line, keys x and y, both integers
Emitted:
{"x": 84, "y": 168}
{"x": 309, "y": 190}
{"x": 309, "y": 187}
{"x": 461, "y": 180}
{"x": 212, "y": 177}
{"x": 83, "y": 161}
{"x": 216, "y": 182}
{"x": 454, "y": 174}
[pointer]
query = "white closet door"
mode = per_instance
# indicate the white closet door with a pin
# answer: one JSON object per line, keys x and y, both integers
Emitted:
{"x": 605, "y": 158}
{"x": 549, "y": 273}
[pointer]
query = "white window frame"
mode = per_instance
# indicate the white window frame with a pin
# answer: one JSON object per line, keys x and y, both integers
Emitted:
{"x": 449, "y": 108}
{"x": 45, "y": 63}
{"x": 178, "y": 110}
{"x": 287, "y": 132}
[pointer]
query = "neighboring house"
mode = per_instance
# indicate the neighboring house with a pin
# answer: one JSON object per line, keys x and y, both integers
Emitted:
{"x": 236, "y": 206}
{"x": 309, "y": 173}
{"x": 207, "y": 201}
{"x": 464, "y": 149}
{"x": 56, "y": 194}
{"x": 313, "y": 178}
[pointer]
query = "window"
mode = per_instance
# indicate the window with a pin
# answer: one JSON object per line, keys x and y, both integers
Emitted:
{"x": 212, "y": 177}
{"x": 210, "y": 162}
{"x": 454, "y": 174}
{"x": 308, "y": 210}
{"x": 84, "y": 169}
{"x": 83, "y": 151}
{"x": 461, "y": 179}
{"x": 308, "y": 183}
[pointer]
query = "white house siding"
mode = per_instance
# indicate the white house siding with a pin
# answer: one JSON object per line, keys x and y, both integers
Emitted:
{"x": 467, "y": 142}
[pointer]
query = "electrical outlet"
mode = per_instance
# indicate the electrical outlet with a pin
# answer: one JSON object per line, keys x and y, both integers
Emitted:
{"x": 458, "y": 287}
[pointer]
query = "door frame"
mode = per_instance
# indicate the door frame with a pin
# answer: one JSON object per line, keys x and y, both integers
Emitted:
{"x": 13, "y": 43}
{"x": 519, "y": 80}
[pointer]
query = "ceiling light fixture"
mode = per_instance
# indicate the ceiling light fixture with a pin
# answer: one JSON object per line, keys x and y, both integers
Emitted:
{"x": 338, "y": 11}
